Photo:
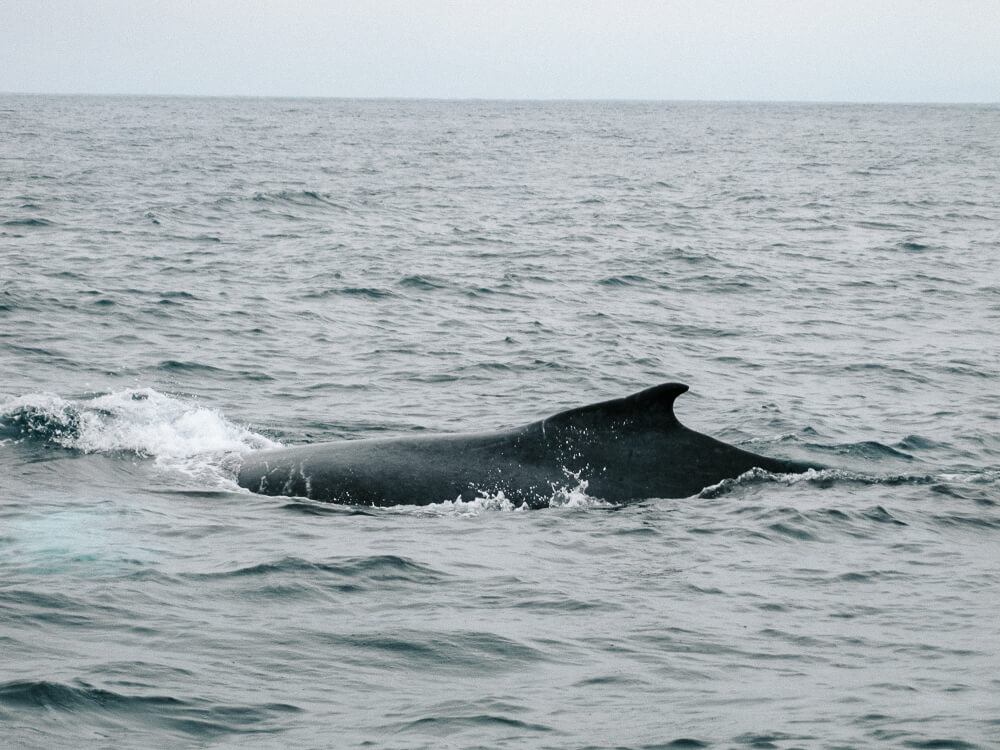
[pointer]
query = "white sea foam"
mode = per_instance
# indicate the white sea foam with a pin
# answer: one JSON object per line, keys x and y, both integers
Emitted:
{"x": 565, "y": 496}
{"x": 757, "y": 475}
{"x": 177, "y": 434}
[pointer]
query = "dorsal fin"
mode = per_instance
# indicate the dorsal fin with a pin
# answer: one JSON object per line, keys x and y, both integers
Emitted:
{"x": 653, "y": 406}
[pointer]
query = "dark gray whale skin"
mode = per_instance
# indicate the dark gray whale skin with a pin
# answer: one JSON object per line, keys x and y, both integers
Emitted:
{"x": 626, "y": 449}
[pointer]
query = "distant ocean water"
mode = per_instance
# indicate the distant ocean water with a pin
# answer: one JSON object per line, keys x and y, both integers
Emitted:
{"x": 185, "y": 279}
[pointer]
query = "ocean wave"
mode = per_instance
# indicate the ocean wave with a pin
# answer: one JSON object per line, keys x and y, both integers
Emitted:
{"x": 298, "y": 198}
{"x": 437, "y": 652}
{"x": 448, "y": 725}
{"x": 298, "y": 205}
{"x": 81, "y": 701}
{"x": 381, "y": 568}
{"x": 423, "y": 282}
{"x": 625, "y": 280}
{"x": 54, "y": 695}
{"x": 351, "y": 291}
{"x": 175, "y": 365}
{"x": 28, "y": 223}
{"x": 869, "y": 450}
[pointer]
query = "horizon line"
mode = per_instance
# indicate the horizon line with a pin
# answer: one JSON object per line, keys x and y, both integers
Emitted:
{"x": 500, "y": 99}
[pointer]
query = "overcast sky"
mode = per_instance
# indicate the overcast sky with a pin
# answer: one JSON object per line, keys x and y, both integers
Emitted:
{"x": 833, "y": 50}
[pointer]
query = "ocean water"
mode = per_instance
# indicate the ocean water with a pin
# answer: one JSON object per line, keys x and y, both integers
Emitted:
{"x": 182, "y": 280}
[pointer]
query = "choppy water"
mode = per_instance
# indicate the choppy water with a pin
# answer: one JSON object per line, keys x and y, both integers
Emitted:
{"x": 183, "y": 279}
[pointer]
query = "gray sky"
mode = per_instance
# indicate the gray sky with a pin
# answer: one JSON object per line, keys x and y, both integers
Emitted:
{"x": 834, "y": 50}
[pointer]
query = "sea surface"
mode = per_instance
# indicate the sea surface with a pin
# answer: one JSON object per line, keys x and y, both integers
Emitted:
{"x": 185, "y": 279}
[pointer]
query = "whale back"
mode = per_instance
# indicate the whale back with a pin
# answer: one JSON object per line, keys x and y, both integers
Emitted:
{"x": 619, "y": 450}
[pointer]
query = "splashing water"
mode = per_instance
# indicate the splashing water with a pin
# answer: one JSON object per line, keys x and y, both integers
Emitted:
{"x": 177, "y": 434}
{"x": 571, "y": 495}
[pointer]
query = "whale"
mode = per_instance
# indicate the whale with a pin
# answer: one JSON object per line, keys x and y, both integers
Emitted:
{"x": 626, "y": 449}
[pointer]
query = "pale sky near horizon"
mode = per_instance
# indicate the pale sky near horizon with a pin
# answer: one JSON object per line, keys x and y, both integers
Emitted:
{"x": 777, "y": 50}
